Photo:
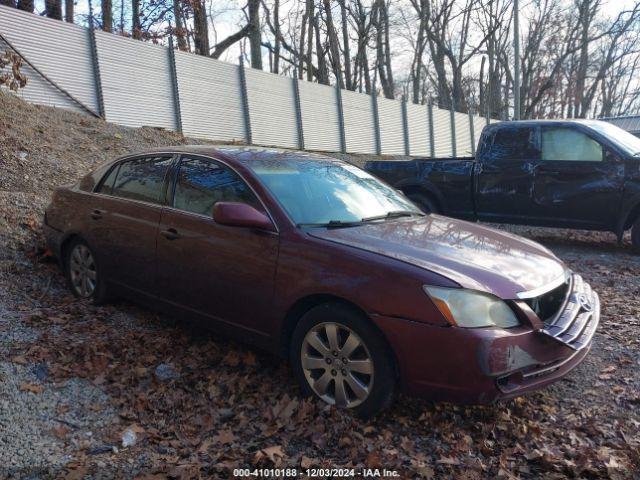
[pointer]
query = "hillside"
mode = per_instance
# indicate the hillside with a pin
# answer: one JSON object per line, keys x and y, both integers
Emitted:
{"x": 42, "y": 148}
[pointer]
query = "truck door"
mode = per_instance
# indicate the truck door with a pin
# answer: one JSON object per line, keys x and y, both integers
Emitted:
{"x": 578, "y": 182}
{"x": 504, "y": 173}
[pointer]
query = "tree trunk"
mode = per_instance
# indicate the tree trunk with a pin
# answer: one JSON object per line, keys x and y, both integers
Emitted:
{"x": 201, "y": 28}
{"x": 333, "y": 43}
{"x": 26, "y": 5}
{"x": 68, "y": 10}
{"x": 255, "y": 36}
{"x": 136, "y": 28}
{"x": 107, "y": 15}
{"x": 180, "y": 31}
{"x": 53, "y": 9}
{"x": 8, "y": 3}
{"x": 310, "y": 7}
{"x": 345, "y": 45}
{"x": 276, "y": 48}
{"x": 323, "y": 73}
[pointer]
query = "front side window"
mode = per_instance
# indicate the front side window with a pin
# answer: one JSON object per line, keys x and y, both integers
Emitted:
{"x": 141, "y": 179}
{"x": 567, "y": 144}
{"x": 323, "y": 191}
{"x": 202, "y": 183}
{"x": 514, "y": 144}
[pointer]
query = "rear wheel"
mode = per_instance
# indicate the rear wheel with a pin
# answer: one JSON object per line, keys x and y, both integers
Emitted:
{"x": 635, "y": 236}
{"x": 83, "y": 274}
{"x": 338, "y": 356}
{"x": 423, "y": 202}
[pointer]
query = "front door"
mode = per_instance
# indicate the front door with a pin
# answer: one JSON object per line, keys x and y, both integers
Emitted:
{"x": 578, "y": 182}
{"x": 220, "y": 271}
{"x": 504, "y": 174}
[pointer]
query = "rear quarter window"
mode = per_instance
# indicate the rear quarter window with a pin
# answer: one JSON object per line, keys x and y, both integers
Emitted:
{"x": 141, "y": 179}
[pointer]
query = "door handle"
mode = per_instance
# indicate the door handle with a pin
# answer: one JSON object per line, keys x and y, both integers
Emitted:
{"x": 170, "y": 234}
{"x": 96, "y": 214}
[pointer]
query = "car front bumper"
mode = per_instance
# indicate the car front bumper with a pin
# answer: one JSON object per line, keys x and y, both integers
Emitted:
{"x": 480, "y": 366}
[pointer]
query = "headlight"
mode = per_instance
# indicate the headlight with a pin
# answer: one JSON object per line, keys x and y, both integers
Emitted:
{"x": 471, "y": 309}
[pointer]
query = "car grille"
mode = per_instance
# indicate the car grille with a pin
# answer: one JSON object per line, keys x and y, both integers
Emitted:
{"x": 574, "y": 318}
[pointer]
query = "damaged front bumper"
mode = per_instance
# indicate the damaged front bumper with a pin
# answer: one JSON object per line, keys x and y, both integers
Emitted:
{"x": 480, "y": 366}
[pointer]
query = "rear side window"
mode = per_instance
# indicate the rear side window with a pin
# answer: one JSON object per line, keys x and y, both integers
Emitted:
{"x": 141, "y": 179}
{"x": 202, "y": 183}
{"x": 567, "y": 144}
{"x": 513, "y": 144}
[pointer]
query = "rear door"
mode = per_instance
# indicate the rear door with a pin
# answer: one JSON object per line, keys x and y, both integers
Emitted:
{"x": 578, "y": 182}
{"x": 124, "y": 220}
{"x": 504, "y": 173}
{"x": 221, "y": 271}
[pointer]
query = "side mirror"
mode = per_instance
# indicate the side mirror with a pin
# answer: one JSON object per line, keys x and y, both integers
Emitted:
{"x": 234, "y": 214}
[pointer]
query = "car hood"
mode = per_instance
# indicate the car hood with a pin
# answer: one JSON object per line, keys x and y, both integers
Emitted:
{"x": 471, "y": 255}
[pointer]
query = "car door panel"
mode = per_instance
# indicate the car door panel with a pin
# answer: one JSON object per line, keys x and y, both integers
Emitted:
{"x": 504, "y": 174}
{"x": 570, "y": 191}
{"x": 224, "y": 272}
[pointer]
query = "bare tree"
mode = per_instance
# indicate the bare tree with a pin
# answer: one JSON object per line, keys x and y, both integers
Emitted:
{"x": 107, "y": 15}
{"x": 53, "y": 9}
{"x": 69, "y": 10}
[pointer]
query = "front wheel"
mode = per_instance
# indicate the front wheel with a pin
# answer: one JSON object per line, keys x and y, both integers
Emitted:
{"x": 340, "y": 357}
{"x": 83, "y": 274}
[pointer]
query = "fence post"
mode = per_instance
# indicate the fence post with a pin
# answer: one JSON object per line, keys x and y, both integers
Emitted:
{"x": 245, "y": 102}
{"x": 472, "y": 134}
{"x": 174, "y": 84}
{"x": 405, "y": 126}
{"x": 376, "y": 119}
{"x": 298, "y": 106}
{"x": 452, "y": 115}
{"x": 343, "y": 138}
{"x": 432, "y": 136}
{"x": 93, "y": 47}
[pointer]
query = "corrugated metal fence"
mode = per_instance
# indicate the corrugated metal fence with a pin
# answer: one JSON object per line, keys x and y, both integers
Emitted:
{"x": 135, "y": 83}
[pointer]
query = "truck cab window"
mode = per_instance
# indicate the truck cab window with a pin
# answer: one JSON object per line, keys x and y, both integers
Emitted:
{"x": 514, "y": 144}
{"x": 567, "y": 144}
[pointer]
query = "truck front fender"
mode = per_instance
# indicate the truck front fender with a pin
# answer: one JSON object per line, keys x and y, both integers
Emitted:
{"x": 424, "y": 187}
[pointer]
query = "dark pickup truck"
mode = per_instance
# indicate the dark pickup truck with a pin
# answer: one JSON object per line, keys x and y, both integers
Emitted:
{"x": 572, "y": 173}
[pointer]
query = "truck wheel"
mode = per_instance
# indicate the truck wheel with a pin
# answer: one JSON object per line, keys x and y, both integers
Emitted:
{"x": 423, "y": 202}
{"x": 635, "y": 236}
{"x": 83, "y": 273}
{"x": 340, "y": 357}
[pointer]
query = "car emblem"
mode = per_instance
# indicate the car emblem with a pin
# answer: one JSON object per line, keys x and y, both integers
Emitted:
{"x": 585, "y": 302}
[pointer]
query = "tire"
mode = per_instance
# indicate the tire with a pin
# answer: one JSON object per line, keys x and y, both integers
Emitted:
{"x": 423, "y": 202}
{"x": 83, "y": 273}
{"x": 325, "y": 369}
{"x": 635, "y": 236}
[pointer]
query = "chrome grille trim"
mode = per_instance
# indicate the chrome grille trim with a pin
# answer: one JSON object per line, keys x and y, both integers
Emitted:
{"x": 577, "y": 321}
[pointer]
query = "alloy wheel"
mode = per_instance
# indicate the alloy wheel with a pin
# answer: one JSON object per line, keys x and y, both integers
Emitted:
{"x": 82, "y": 269}
{"x": 337, "y": 364}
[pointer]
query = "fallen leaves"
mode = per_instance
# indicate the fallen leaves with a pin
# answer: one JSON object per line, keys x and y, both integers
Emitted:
{"x": 29, "y": 387}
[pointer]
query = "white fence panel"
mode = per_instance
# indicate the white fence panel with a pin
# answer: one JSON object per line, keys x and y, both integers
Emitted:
{"x": 136, "y": 82}
{"x": 359, "y": 123}
{"x": 442, "y": 132}
{"x": 320, "y": 121}
{"x": 391, "y": 129}
{"x": 272, "y": 109}
{"x": 478, "y": 125}
{"x": 463, "y": 134}
{"x": 210, "y": 98}
{"x": 418, "y": 120}
{"x": 59, "y": 50}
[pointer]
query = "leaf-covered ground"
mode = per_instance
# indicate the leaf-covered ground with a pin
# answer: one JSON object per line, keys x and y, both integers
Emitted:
{"x": 119, "y": 391}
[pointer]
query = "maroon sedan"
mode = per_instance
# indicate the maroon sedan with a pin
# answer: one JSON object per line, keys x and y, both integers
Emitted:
{"x": 315, "y": 259}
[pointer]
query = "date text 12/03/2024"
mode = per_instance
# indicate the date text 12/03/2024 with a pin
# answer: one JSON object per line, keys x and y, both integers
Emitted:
{"x": 316, "y": 473}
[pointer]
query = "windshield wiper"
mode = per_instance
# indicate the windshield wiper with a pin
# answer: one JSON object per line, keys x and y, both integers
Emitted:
{"x": 636, "y": 154}
{"x": 393, "y": 214}
{"x": 332, "y": 224}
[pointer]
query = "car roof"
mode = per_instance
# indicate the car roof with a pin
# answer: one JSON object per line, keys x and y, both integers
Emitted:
{"x": 239, "y": 154}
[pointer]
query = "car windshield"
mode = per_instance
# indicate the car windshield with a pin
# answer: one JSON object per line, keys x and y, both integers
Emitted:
{"x": 620, "y": 137}
{"x": 316, "y": 191}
